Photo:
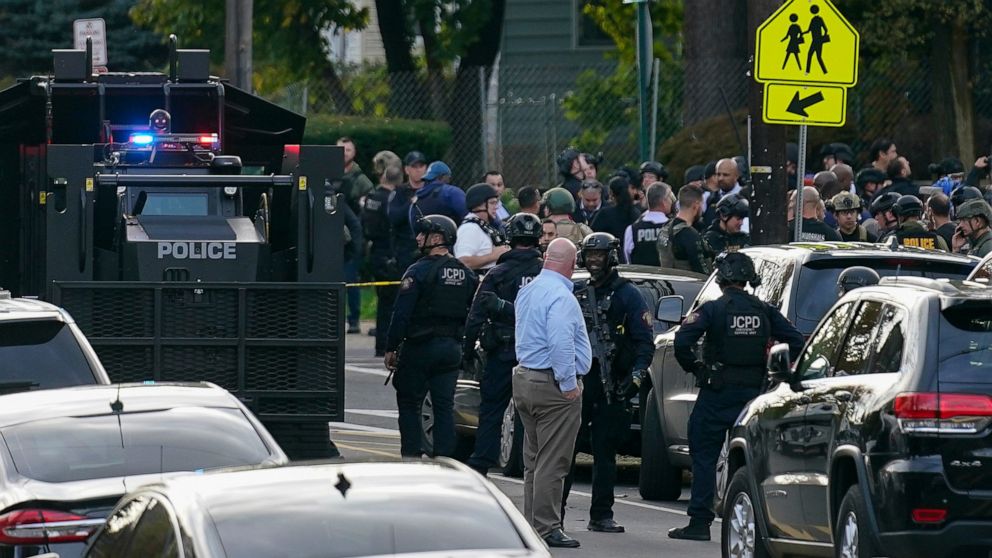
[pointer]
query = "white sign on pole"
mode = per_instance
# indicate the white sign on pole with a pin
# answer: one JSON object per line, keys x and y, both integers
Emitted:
{"x": 96, "y": 29}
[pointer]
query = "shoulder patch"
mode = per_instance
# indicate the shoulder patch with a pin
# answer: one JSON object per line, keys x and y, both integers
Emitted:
{"x": 692, "y": 318}
{"x": 646, "y": 318}
{"x": 406, "y": 283}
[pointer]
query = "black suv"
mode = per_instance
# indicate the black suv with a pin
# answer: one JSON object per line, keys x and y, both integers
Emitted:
{"x": 880, "y": 439}
{"x": 41, "y": 347}
{"x": 800, "y": 279}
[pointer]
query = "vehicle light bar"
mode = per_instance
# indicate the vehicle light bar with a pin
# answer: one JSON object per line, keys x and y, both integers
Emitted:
{"x": 142, "y": 139}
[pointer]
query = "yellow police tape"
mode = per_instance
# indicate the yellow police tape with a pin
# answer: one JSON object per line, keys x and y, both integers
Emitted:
{"x": 374, "y": 284}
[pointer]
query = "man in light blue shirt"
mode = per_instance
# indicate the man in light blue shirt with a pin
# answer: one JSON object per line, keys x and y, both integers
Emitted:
{"x": 552, "y": 347}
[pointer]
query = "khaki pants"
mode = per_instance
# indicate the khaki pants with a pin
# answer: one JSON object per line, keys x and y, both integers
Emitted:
{"x": 551, "y": 425}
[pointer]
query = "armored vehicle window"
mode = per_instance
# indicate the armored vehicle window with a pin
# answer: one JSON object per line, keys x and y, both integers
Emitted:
{"x": 43, "y": 354}
{"x": 822, "y": 349}
{"x": 184, "y": 204}
{"x": 856, "y": 351}
{"x": 890, "y": 339}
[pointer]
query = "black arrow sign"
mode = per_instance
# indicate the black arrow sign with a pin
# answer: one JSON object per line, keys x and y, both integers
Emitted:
{"x": 798, "y": 106}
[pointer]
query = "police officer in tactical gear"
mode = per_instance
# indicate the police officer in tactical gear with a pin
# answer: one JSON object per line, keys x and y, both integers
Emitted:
{"x": 962, "y": 194}
{"x": 680, "y": 245}
{"x": 910, "y": 232}
{"x": 847, "y": 209}
{"x": 491, "y": 321}
{"x": 480, "y": 242}
{"x": 855, "y": 277}
{"x": 737, "y": 327}
{"x": 974, "y": 217}
{"x": 725, "y": 234}
{"x": 382, "y": 251}
{"x": 881, "y": 210}
{"x": 560, "y": 206}
{"x": 620, "y": 333}
{"x": 651, "y": 172}
{"x": 641, "y": 237}
{"x": 423, "y": 346}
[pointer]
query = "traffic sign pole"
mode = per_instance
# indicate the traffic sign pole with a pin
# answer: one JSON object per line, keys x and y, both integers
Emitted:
{"x": 797, "y": 213}
{"x": 645, "y": 42}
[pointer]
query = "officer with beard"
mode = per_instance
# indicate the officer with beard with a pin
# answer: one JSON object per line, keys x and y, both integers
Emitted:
{"x": 620, "y": 333}
{"x": 492, "y": 319}
{"x": 423, "y": 346}
{"x": 737, "y": 327}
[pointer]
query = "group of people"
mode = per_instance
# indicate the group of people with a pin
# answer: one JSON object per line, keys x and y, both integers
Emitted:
{"x": 473, "y": 274}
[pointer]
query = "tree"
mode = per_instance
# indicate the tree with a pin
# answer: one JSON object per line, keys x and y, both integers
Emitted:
{"x": 289, "y": 36}
{"x": 32, "y": 29}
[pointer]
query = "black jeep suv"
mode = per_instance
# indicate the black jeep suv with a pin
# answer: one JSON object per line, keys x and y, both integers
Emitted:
{"x": 800, "y": 279}
{"x": 879, "y": 441}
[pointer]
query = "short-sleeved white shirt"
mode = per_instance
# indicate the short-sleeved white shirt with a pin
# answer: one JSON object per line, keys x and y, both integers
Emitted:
{"x": 473, "y": 241}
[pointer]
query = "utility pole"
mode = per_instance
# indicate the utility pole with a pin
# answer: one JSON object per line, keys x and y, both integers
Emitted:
{"x": 238, "y": 43}
{"x": 645, "y": 63}
{"x": 768, "y": 178}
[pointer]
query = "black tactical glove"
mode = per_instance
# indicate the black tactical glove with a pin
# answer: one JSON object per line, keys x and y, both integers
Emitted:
{"x": 631, "y": 384}
{"x": 489, "y": 302}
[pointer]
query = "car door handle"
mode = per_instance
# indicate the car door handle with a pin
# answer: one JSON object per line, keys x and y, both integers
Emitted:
{"x": 843, "y": 395}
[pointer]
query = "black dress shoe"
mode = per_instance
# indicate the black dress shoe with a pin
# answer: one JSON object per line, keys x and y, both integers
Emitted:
{"x": 692, "y": 532}
{"x": 354, "y": 329}
{"x": 372, "y": 332}
{"x": 558, "y": 539}
{"x": 605, "y": 526}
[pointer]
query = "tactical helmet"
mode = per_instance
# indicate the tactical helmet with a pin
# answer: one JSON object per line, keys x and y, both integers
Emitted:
{"x": 478, "y": 195}
{"x": 439, "y": 224}
{"x": 845, "y": 201}
{"x": 907, "y": 206}
{"x": 975, "y": 208}
{"x": 854, "y": 277}
{"x": 524, "y": 225}
{"x": 565, "y": 159}
{"x": 599, "y": 241}
{"x": 883, "y": 203}
{"x": 559, "y": 201}
{"x": 736, "y": 267}
{"x": 840, "y": 151}
{"x": 733, "y": 206}
{"x": 870, "y": 174}
{"x": 962, "y": 194}
{"x": 655, "y": 168}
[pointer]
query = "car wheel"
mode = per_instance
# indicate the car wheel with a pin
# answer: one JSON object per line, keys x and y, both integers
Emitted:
{"x": 660, "y": 480}
{"x": 511, "y": 443}
{"x": 427, "y": 425}
{"x": 852, "y": 536}
{"x": 739, "y": 536}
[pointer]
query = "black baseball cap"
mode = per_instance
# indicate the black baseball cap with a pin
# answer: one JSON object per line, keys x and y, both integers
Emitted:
{"x": 414, "y": 157}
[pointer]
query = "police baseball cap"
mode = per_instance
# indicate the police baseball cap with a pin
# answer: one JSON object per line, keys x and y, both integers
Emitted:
{"x": 414, "y": 157}
{"x": 845, "y": 201}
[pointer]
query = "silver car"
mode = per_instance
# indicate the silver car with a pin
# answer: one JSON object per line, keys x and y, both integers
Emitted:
{"x": 68, "y": 455}
{"x": 320, "y": 510}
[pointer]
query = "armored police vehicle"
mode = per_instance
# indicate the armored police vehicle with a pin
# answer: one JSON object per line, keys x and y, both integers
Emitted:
{"x": 180, "y": 222}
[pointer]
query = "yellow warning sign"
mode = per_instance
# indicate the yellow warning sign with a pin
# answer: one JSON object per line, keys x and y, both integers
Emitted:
{"x": 813, "y": 105}
{"x": 302, "y": 184}
{"x": 89, "y": 184}
{"x": 807, "y": 42}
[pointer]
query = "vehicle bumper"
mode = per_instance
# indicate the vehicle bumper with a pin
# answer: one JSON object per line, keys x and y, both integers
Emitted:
{"x": 951, "y": 540}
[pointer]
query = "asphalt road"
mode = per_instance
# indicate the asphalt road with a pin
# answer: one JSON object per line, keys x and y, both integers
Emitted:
{"x": 369, "y": 432}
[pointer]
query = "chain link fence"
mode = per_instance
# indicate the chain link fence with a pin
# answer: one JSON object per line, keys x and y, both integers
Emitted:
{"x": 518, "y": 118}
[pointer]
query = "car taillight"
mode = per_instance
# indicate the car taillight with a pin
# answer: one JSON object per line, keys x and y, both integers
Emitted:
{"x": 929, "y": 515}
{"x": 32, "y": 526}
{"x": 943, "y": 413}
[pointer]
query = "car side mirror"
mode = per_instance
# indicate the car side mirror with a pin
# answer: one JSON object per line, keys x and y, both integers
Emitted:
{"x": 670, "y": 309}
{"x": 778, "y": 364}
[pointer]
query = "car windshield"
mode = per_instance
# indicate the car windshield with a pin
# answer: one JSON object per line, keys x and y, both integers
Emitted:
{"x": 41, "y": 354}
{"x": 67, "y": 449}
{"x": 965, "y": 348}
{"x": 366, "y": 517}
{"x": 820, "y": 277}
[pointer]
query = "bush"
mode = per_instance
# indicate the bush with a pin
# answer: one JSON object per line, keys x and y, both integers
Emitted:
{"x": 372, "y": 135}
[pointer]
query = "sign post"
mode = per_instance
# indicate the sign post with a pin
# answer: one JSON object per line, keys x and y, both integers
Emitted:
{"x": 645, "y": 59}
{"x": 806, "y": 55}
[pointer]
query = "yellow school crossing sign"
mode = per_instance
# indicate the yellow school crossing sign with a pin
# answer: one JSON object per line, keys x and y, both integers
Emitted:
{"x": 806, "y": 54}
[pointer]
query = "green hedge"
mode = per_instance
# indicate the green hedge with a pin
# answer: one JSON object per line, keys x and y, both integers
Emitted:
{"x": 372, "y": 135}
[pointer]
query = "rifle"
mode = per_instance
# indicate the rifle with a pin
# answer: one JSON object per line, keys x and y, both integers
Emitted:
{"x": 602, "y": 345}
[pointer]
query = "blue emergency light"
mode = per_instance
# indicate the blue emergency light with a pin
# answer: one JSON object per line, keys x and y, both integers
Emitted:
{"x": 142, "y": 139}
